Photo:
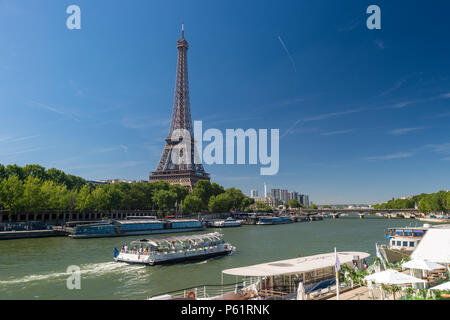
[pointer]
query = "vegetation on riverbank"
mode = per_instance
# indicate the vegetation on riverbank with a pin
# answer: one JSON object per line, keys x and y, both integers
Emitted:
{"x": 427, "y": 203}
{"x": 32, "y": 189}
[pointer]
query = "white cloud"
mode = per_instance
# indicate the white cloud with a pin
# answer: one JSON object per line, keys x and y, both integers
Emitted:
{"x": 402, "y": 131}
{"x": 399, "y": 155}
{"x": 332, "y": 133}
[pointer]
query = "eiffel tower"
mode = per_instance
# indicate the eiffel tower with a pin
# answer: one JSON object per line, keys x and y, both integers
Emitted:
{"x": 185, "y": 173}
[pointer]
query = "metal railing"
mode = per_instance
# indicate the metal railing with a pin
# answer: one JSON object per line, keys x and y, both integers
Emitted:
{"x": 208, "y": 291}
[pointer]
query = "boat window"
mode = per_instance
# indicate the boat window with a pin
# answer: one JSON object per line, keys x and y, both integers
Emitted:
{"x": 405, "y": 243}
{"x": 418, "y": 233}
{"x": 411, "y": 244}
{"x": 407, "y": 233}
{"x": 399, "y": 233}
{"x": 393, "y": 243}
{"x": 399, "y": 243}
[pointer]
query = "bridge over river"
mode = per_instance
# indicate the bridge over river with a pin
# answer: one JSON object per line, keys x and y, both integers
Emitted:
{"x": 336, "y": 212}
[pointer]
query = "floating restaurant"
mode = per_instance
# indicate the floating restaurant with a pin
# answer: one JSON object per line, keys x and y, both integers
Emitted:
{"x": 293, "y": 279}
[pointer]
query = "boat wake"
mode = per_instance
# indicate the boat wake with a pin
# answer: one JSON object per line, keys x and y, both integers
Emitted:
{"x": 87, "y": 270}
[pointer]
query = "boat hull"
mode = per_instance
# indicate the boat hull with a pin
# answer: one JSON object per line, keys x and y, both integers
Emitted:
{"x": 178, "y": 259}
{"x": 193, "y": 258}
{"x": 393, "y": 255}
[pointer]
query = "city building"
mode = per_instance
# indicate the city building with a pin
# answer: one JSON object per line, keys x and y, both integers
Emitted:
{"x": 275, "y": 194}
{"x": 253, "y": 193}
{"x": 284, "y": 196}
{"x": 267, "y": 200}
{"x": 304, "y": 200}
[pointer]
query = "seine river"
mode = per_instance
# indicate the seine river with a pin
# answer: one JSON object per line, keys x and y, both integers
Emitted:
{"x": 36, "y": 268}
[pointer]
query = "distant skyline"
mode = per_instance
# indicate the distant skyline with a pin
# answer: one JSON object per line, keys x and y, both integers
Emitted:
{"x": 363, "y": 114}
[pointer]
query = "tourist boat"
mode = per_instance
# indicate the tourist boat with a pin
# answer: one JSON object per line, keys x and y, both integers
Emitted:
{"x": 227, "y": 223}
{"x": 174, "y": 249}
{"x": 315, "y": 218}
{"x": 269, "y": 220}
{"x": 402, "y": 242}
{"x": 117, "y": 228}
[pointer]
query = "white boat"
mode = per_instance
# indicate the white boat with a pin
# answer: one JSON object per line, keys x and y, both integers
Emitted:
{"x": 402, "y": 241}
{"x": 229, "y": 222}
{"x": 174, "y": 249}
{"x": 300, "y": 278}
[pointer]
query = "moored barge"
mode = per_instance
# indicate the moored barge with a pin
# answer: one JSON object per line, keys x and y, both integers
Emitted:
{"x": 130, "y": 227}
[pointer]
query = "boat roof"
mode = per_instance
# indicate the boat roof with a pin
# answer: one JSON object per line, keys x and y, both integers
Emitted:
{"x": 138, "y": 221}
{"x": 409, "y": 228}
{"x": 424, "y": 227}
{"x": 296, "y": 265}
{"x": 207, "y": 236}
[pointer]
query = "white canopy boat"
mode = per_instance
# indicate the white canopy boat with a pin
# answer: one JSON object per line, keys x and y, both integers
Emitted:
{"x": 228, "y": 223}
{"x": 174, "y": 249}
{"x": 293, "y": 279}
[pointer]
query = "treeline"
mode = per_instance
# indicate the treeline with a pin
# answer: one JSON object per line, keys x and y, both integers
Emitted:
{"x": 39, "y": 172}
{"x": 433, "y": 202}
{"x": 32, "y": 189}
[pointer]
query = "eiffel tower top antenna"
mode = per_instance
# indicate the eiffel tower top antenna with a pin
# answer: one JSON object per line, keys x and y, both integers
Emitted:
{"x": 182, "y": 30}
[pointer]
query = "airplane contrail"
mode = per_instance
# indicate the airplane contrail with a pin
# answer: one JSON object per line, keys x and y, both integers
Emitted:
{"x": 288, "y": 53}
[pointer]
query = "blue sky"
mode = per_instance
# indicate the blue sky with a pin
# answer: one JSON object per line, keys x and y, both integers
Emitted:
{"x": 363, "y": 114}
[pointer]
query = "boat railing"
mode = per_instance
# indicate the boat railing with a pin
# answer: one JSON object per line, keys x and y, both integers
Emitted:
{"x": 173, "y": 250}
{"x": 211, "y": 291}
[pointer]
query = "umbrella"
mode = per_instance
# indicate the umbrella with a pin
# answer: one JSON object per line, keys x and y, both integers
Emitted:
{"x": 422, "y": 265}
{"x": 392, "y": 277}
{"x": 444, "y": 286}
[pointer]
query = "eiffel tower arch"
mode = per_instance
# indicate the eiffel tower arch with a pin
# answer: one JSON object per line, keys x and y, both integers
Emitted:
{"x": 170, "y": 169}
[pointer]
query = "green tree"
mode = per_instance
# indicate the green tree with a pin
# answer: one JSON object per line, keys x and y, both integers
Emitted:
{"x": 203, "y": 190}
{"x": 192, "y": 204}
{"x": 220, "y": 204}
{"x": 247, "y": 202}
{"x": 15, "y": 170}
{"x": 447, "y": 201}
{"x": 164, "y": 200}
{"x": 180, "y": 191}
{"x": 424, "y": 206}
{"x": 115, "y": 197}
{"x": 262, "y": 207}
{"x": 216, "y": 189}
{"x": 236, "y": 196}
{"x": 35, "y": 170}
{"x": 11, "y": 194}
{"x": 84, "y": 199}
{"x": 33, "y": 199}
{"x": 3, "y": 174}
{"x": 101, "y": 199}
{"x": 294, "y": 203}
{"x": 52, "y": 195}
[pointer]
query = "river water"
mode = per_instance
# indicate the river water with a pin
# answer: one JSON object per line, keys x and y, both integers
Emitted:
{"x": 37, "y": 268}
